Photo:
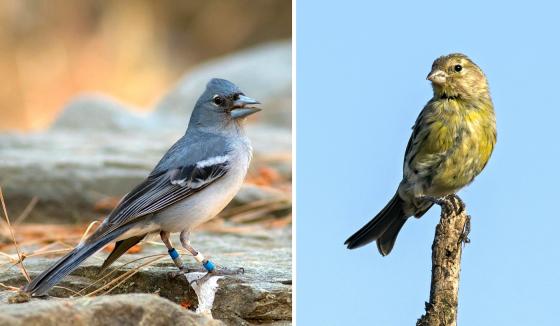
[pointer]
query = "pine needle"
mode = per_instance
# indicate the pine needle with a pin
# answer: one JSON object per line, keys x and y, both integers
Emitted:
{"x": 20, "y": 255}
{"x": 122, "y": 278}
{"x": 117, "y": 269}
{"x": 26, "y": 211}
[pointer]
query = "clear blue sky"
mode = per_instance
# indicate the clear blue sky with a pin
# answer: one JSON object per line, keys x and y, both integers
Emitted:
{"x": 361, "y": 71}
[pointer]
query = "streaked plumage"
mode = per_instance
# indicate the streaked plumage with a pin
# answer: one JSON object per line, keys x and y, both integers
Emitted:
{"x": 451, "y": 142}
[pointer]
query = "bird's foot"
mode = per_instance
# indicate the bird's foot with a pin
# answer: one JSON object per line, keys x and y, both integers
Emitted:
{"x": 218, "y": 271}
{"x": 181, "y": 272}
{"x": 444, "y": 202}
{"x": 449, "y": 204}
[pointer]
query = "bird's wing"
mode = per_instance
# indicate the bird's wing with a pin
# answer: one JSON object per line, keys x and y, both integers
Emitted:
{"x": 430, "y": 142}
{"x": 415, "y": 139}
{"x": 166, "y": 188}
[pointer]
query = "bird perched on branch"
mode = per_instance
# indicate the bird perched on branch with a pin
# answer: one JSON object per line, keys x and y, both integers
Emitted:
{"x": 192, "y": 183}
{"x": 451, "y": 142}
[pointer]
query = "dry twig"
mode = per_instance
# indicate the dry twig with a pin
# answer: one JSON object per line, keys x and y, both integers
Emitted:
{"x": 451, "y": 233}
{"x": 21, "y": 257}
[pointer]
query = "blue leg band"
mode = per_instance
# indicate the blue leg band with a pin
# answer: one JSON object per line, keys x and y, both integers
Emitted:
{"x": 208, "y": 265}
{"x": 176, "y": 258}
{"x": 173, "y": 253}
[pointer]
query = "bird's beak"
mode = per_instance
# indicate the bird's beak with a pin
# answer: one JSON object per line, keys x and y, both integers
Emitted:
{"x": 240, "y": 109}
{"x": 437, "y": 77}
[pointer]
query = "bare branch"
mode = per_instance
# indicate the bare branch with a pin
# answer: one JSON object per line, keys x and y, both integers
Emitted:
{"x": 451, "y": 233}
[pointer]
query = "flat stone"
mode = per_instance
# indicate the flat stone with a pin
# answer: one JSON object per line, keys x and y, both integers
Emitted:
{"x": 262, "y": 295}
{"x": 130, "y": 309}
{"x": 95, "y": 112}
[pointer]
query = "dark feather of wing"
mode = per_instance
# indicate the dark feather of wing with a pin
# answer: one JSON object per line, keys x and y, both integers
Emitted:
{"x": 164, "y": 189}
{"x": 411, "y": 140}
{"x": 416, "y": 137}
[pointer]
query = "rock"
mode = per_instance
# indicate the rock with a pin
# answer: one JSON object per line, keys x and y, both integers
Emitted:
{"x": 130, "y": 309}
{"x": 98, "y": 112}
{"x": 262, "y": 295}
{"x": 69, "y": 173}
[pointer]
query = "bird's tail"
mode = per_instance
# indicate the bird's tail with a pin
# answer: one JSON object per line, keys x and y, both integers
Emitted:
{"x": 383, "y": 228}
{"x": 41, "y": 284}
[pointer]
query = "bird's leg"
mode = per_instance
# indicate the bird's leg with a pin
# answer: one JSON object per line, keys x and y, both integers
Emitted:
{"x": 449, "y": 203}
{"x": 208, "y": 265}
{"x": 453, "y": 203}
{"x": 444, "y": 202}
{"x": 172, "y": 252}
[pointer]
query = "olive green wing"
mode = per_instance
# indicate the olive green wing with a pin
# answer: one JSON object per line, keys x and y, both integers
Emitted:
{"x": 431, "y": 141}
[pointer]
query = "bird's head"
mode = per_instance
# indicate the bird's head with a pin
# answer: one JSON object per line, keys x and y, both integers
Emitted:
{"x": 222, "y": 104}
{"x": 455, "y": 76}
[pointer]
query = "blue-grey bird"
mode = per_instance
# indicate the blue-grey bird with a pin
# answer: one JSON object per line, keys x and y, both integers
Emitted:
{"x": 197, "y": 177}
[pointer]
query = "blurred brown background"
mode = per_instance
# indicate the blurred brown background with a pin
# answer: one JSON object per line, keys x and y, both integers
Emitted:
{"x": 132, "y": 50}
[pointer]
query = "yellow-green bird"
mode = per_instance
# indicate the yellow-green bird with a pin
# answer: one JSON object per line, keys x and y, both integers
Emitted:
{"x": 451, "y": 142}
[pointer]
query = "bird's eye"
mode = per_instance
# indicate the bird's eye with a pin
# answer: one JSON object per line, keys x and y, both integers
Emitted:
{"x": 218, "y": 100}
{"x": 458, "y": 68}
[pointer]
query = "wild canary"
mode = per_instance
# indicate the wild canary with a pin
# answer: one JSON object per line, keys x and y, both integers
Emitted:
{"x": 451, "y": 142}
